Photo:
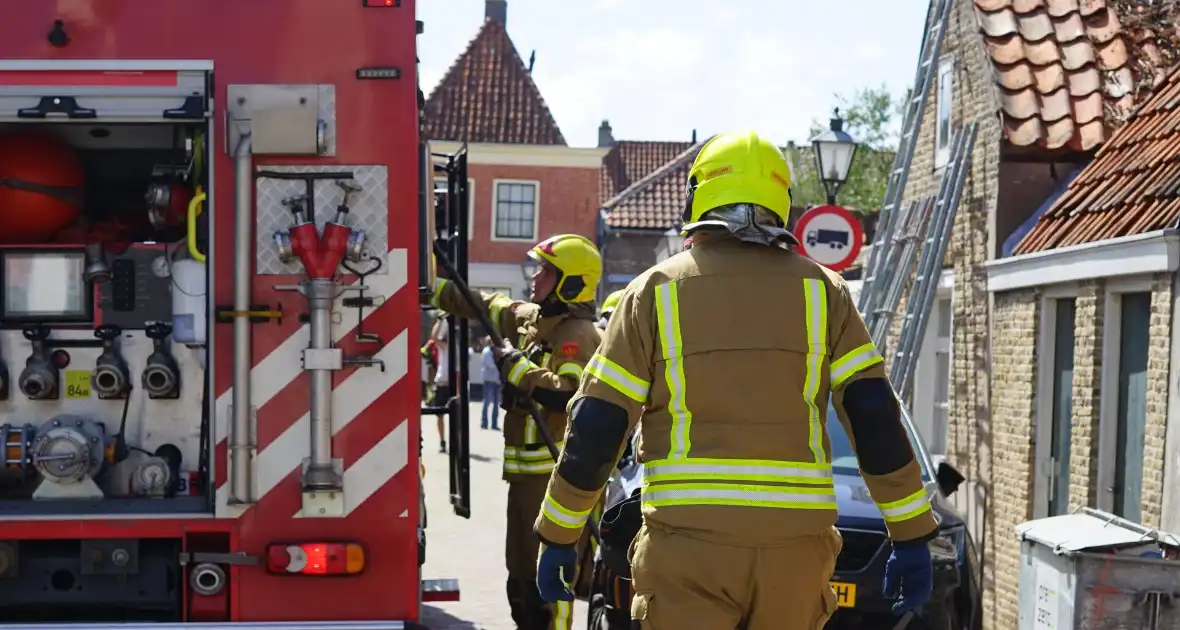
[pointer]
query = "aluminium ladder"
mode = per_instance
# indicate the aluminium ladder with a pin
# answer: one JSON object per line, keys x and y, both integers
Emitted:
{"x": 925, "y": 284}
{"x": 893, "y": 279}
{"x": 936, "y": 23}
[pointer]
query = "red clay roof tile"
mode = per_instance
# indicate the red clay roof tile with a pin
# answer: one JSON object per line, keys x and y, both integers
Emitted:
{"x": 1060, "y": 66}
{"x": 1060, "y": 8}
{"x": 1132, "y": 186}
{"x": 629, "y": 161}
{"x": 643, "y": 183}
{"x": 489, "y": 96}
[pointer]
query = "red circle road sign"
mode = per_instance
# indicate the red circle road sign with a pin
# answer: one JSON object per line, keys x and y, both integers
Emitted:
{"x": 830, "y": 235}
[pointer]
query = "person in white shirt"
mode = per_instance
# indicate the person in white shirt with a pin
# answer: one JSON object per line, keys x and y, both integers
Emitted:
{"x": 491, "y": 387}
{"x": 474, "y": 370}
{"x": 442, "y": 379}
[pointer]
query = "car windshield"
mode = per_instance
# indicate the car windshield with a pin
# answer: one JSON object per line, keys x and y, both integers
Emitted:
{"x": 844, "y": 460}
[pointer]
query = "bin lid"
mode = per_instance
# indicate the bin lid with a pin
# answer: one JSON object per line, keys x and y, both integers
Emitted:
{"x": 1091, "y": 529}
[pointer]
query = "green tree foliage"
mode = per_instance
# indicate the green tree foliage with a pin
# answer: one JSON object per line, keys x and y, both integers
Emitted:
{"x": 869, "y": 116}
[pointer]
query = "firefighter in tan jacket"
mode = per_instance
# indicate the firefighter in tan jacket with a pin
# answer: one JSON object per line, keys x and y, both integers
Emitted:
{"x": 729, "y": 352}
{"x": 556, "y": 336}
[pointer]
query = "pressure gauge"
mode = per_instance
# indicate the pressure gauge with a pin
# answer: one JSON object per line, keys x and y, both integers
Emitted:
{"x": 160, "y": 267}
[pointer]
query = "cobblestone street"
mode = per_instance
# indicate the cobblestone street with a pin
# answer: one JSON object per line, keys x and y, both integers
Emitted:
{"x": 471, "y": 550}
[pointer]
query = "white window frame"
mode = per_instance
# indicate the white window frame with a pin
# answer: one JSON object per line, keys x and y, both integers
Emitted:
{"x": 470, "y": 203}
{"x": 1043, "y": 413}
{"x": 925, "y": 396}
{"x": 944, "y": 345}
{"x": 924, "y": 399}
{"x": 1108, "y": 390}
{"x": 942, "y": 146}
{"x": 496, "y": 210}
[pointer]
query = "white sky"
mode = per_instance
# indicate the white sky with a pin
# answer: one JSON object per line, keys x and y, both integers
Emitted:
{"x": 657, "y": 69}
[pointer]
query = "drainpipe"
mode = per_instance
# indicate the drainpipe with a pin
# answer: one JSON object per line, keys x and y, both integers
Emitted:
{"x": 241, "y": 440}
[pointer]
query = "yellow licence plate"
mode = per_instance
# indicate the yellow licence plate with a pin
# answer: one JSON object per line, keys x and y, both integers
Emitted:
{"x": 845, "y": 594}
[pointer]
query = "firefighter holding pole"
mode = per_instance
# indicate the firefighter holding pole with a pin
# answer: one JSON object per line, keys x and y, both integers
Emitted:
{"x": 730, "y": 351}
{"x": 547, "y": 343}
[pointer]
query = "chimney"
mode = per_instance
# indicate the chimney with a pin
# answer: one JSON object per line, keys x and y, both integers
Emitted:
{"x": 605, "y": 137}
{"x": 496, "y": 10}
{"x": 694, "y": 136}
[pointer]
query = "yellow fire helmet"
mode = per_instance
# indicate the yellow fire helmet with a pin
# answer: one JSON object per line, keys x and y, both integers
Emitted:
{"x": 609, "y": 304}
{"x": 579, "y": 262}
{"x": 737, "y": 168}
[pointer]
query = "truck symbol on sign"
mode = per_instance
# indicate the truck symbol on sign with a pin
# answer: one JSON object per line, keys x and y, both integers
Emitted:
{"x": 836, "y": 239}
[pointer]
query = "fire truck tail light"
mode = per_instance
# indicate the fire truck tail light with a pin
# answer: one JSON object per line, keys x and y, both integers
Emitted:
{"x": 320, "y": 558}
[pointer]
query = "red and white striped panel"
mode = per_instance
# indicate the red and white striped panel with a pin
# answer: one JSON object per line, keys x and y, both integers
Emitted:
{"x": 275, "y": 372}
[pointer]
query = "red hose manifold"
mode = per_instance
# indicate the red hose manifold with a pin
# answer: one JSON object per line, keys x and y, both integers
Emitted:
{"x": 320, "y": 255}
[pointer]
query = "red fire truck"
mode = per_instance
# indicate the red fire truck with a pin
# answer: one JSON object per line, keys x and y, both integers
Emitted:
{"x": 216, "y": 218}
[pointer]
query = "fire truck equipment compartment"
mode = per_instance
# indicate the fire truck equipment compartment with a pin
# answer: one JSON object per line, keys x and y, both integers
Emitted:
{"x": 98, "y": 293}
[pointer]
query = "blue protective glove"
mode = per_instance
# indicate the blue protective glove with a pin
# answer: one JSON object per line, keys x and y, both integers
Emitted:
{"x": 909, "y": 576}
{"x": 555, "y": 572}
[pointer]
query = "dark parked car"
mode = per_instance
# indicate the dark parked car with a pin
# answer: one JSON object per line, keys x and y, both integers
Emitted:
{"x": 860, "y": 568}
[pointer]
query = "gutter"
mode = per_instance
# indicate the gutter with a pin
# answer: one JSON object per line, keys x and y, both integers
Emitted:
{"x": 1153, "y": 252}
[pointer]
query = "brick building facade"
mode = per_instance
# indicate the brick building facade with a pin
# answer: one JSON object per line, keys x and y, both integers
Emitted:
{"x": 1047, "y": 82}
{"x": 524, "y": 182}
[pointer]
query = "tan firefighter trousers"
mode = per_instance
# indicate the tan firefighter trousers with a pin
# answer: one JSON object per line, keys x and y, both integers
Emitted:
{"x": 682, "y": 582}
{"x": 521, "y": 549}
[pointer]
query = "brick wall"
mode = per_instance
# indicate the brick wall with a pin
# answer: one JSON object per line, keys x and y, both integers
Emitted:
{"x": 1084, "y": 485}
{"x": 970, "y": 442}
{"x": 1158, "y": 359}
{"x": 1014, "y": 375}
{"x": 1089, "y": 316}
{"x": 1015, "y": 320}
{"x": 568, "y": 203}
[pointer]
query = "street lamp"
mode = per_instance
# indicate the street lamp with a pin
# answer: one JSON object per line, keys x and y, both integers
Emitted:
{"x": 834, "y": 150}
{"x": 671, "y": 243}
{"x": 527, "y": 268}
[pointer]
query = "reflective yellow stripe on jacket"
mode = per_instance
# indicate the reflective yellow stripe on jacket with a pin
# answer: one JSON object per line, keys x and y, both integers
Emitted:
{"x": 815, "y": 296}
{"x": 497, "y": 307}
{"x": 857, "y": 360}
{"x": 570, "y": 369}
{"x": 518, "y": 370}
{"x": 620, "y": 379}
{"x": 439, "y": 284}
{"x": 683, "y": 480}
{"x": 668, "y": 321}
{"x": 529, "y": 461}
